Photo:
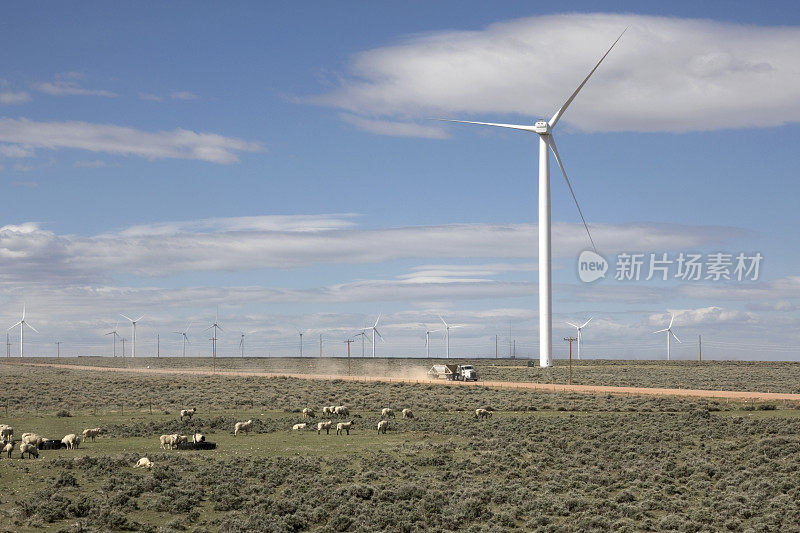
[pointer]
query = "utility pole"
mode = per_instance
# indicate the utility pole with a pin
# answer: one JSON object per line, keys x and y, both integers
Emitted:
{"x": 58, "y": 344}
{"x": 700, "y": 345}
{"x": 213, "y": 340}
{"x": 514, "y": 353}
{"x": 8, "y": 347}
{"x": 320, "y": 345}
{"x": 123, "y": 347}
{"x": 301, "y": 344}
{"x": 495, "y": 346}
{"x": 570, "y": 339}
{"x": 158, "y": 345}
{"x": 348, "y": 341}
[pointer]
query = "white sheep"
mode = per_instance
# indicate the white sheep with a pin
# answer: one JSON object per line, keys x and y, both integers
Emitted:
{"x": 168, "y": 442}
{"x": 72, "y": 441}
{"x": 144, "y": 462}
{"x": 341, "y": 411}
{"x": 242, "y": 426}
{"x": 299, "y": 427}
{"x": 189, "y": 413}
{"x": 90, "y": 433}
{"x": 407, "y": 413}
{"x": 326, "y": 425}
{"x": 30, "y": 449}
{"x": 8, "y": 448}
{"x": 387, "y": 412}
{"x": 33, "y": 438}
{"x": 308, "y": 413}
{"x": 328, "y": 410}
{"x": 6, "y": 433}
{"x": 382, "y": 425}
{"x": 198, "y": 437}
{"x": 344, "y": 426}
{"x": 482, "y": 413}
{"x": 182, "y": 439}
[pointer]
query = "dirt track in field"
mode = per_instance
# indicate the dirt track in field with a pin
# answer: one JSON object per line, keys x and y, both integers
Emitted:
{"x": 551, "y": 387}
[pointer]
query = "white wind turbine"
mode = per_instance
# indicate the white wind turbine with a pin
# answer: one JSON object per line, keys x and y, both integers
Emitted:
{"x": 241, "y": 343}
{"x": 363, "y": 336}
{"x": 114, "y": 334}
{"x": 428, "y": 339}
{"x": 580, "y": 337}
{"x": 133, "y": 332}
{"x": 184, "y": 337}
{"x": 544, "y": 128}
{"x": 374, "y": 329}
{"x": 22, "y": 323}
{"x": 447, "y": 328}
{"x": 668, "y": 329}
{"x": 301, "y": 333}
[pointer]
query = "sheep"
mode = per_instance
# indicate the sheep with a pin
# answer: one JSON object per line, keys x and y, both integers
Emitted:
{"x": 198, "y": 437}
{"x": 72, "y": 441}
{"x": 326, "y": 425}
{"x": 382, "y": 425}
{"x": 387, "y": 413}
{"x": 189, "y": 413}
{"x": 328, "y": 410}
{"x": 308, "y": 413}
{"x": 144, "y": 462}
{"x": 482, "y": 413}
{"x": 90, "y": 433}
{"x": 6, "y": 433}
{"x": 341, "y": 411}
{"x": 299, "y": 427}
{"x": 344, "y": 426}
{"x": 407, "y": 413}
{"x": 30, "y": 449}
{"x": 182, "y": 439}
{"x": 8, "y": 448}
{"x": 168, "y": 442}
{"x": 242, "y": 426}
{"x": 33, "y": 438}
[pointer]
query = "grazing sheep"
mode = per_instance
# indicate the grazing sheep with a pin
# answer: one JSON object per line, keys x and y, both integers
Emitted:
{"x": 72, "y": 441}
{"x": 6, "y": 433}
{"x": 299, "y": 427}
{"x": 198, "y": 437}
{"x": 33, "y": 438}
{"x": 482, "y": 413}
{"x": 30, "y": 449}
{"x": 168, "y": 442}
{"x": 144, "y": 462}
{"x": 188, "y": 413}
{"x": 387, "y": 413}
{"x": 308, "y": 413}
{"x": 344, "y": 426}
{"x": 407, "y": 413}
{"x": 324, "y": 425}
{"x": 182, "y": 439}
{"x": 341, "y": 411}
{"x": 242, "y": 426}
{"x": 8, "y": 448}
{"x": 90, "y": 433}
{"x": 328, "y": 410}
{"x": 382, "y": 425}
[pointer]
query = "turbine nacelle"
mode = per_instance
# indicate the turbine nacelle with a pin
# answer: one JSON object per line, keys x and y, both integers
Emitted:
{"x": 542, "y": 127}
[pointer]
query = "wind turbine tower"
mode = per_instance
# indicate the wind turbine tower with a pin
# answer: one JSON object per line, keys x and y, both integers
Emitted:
{"x": 428, "y": 339}
{"x": 22, "y": 323}
{"x": 447, "y": 328}
{"x": 580, "y": 328}
{"x": 544, "y": 129}
{"x": 668, "y": 329}
{"x": 114, "y": 334}
{"x": 375, "y": 331}
{"x": 133, "y": 332}
{"x": 184, "y": 336}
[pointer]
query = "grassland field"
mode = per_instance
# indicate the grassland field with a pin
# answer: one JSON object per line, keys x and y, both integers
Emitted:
{"x": 542, "y": 462}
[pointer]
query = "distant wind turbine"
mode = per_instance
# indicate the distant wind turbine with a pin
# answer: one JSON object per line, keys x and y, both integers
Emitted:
{"x": 375, "y": 331}
{"x": 213, "y": 338}
{"x": 670, "y": 333}
{"x": 428, "y": 339}
{"x": 544, "y": 128}
{"x": 363, "y": 336}
{"x": 184, "y": 336}
{"x": 580, "y": 328}
{"x": 241, "y": 343}
{"x": 301, "y": 333}
{"x": 133, "y": 332}
{"x": 447, "y": 328}
{"x": 22, "y": 323}
{"x": 114, "y": 334}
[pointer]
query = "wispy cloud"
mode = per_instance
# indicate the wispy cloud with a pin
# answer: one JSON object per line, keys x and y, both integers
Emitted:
{"x": 69, "y": 83}
{"x": 183, "y": 95}
{"x": 667, "y": 74}
{"x": 121, "y": 140}
{"x": 11, "y": 97}
{"x": 396, "y": 129}
{"x": 97, "y": 163}
{"x": 15, "y": 150}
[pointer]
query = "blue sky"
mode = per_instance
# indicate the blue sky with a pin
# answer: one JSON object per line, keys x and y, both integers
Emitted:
{"x": 277, "y": 161}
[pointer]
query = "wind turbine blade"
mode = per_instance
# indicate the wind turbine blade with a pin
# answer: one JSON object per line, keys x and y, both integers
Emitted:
{"x": 187, "y": 327}
{"x": 15, "y": 325}
{"x": 458, "y": 326}
{"x": 509, "y": 126}
{"x": 220, "y": 328}
{"x": 675, "y": 336}
{"x": 573, "y": 325}
{"x": 138, "y": 319}
{"x": 661, "y": 331}
{"x": 377, "y": 320}
{"x": 443, "y": 322}
{"x": 563, "y": 108}
{"x": 378, "y": 333}
{"x": 552, "y": 143}
{"x": 124, "y": 316}
{"x": 23, "y": 312}
{"x": 671, "y": 320}
{"x": 33, "y": 328}
{"x": 209, "y": 327}
{"x": 584, "y": 324}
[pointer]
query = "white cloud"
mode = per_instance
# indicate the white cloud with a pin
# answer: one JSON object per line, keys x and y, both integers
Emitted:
{"x": 15, "y": 150}
{"x": 701, "y": 316}
{"x": 183, "y": 95}
{"x": 396, "y": 129}
{"x": 11, "y": 97}
{"x": 90, "y": 164}
{"x": 666, "y": 74}
{"x": 108, "y": 138}
{"x": 68, "y": 83}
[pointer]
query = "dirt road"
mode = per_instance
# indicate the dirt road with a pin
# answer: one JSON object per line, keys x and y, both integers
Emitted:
{"x": 552, "y": 387}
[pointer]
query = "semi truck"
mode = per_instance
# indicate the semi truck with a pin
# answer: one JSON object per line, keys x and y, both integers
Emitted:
{"x": 454, "y": 372}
